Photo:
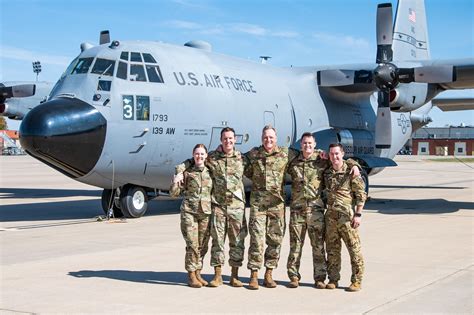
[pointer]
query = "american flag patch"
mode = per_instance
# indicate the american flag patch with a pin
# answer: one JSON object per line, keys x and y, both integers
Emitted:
{"x": 412, "y": 15}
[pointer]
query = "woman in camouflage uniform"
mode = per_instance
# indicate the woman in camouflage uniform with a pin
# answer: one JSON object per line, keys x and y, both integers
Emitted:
{"x": 195, "y": 185}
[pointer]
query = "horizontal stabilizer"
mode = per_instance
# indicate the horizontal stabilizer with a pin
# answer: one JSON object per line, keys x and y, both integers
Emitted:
{"x": 453, "y": 104}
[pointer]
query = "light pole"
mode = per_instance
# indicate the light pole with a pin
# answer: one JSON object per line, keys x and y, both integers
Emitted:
{"x": 36, "y": 68}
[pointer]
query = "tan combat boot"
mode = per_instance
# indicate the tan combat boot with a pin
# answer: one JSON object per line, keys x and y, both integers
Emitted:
{"x": 217, "y": 281}
{"x": 354, "y": 287}
{"x": 320, "y": 285}
{"x": 294, "y": 282}
{"x": 331, "y": 285}
{"x": 193, "y": 281}
{"x": 234, "y": 278}
{"x": 253, "y": 284}
{"x": 268, "y": 280}
{"x": 200, "y": 279}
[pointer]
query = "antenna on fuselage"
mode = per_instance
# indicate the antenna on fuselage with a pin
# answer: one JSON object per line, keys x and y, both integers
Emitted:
{"x": 104, "y": 37}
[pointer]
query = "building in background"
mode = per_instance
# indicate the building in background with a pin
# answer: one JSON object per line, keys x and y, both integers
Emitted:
{"x": 10, "y": 143}
{"x": 444, "y": 141}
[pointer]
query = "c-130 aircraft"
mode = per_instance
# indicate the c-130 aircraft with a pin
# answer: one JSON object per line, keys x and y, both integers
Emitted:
{"x": 124, "y": 113}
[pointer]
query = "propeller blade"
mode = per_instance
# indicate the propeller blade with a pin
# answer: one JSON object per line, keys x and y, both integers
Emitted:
{"x": 22, "y": 90}
{"x": 383, "y": 98}
{"x": 384, "y": 33}
{"x": 335, "y": 77}
{"x": 383, "y": 128}
{"x": 104, "y": 37}
{"x": 435, "y": 74}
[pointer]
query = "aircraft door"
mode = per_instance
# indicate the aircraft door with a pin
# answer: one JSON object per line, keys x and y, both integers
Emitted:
{"x": 268, "y": 118}
{"x": 215, "y": 138}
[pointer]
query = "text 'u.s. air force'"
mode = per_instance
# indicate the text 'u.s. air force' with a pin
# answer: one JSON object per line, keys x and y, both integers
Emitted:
{"x": 214, "y": 81}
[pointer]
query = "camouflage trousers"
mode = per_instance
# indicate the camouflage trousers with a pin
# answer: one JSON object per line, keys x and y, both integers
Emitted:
{"x": 338, "y": 226}
{"x": 312, "y": 221}
{"x": 266, "y": 224}
{"x": 195, "y": 228}
{"x": 232, "y": 223}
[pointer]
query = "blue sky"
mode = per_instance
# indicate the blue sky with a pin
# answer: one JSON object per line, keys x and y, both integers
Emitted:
{"x": 293, "y": 32}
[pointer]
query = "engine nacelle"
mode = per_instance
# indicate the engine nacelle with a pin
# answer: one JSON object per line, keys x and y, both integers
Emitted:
{"x": 408, "y": 97}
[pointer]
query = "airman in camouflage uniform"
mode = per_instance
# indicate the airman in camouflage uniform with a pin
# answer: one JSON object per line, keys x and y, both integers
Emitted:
{"x": 343, "y": 193}
{"x": 266, "y": 168}
{"x": 228, "y": 207}
{"x": 307, "y": 210}
{"x": 195, "y": 184}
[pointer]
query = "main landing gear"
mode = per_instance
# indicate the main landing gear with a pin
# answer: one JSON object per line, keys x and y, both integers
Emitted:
{"x": 128, "y": 201}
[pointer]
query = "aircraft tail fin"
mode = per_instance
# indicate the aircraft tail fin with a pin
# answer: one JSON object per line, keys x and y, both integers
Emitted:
{"x": 410, "y": 32}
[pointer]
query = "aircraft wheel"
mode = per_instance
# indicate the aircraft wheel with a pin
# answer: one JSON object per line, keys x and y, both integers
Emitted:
{"x": 134, "y": 201}
{"x": 107, "y": 199}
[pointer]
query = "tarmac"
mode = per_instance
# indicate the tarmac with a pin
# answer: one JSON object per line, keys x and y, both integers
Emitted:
{"x": 417, "y": 238}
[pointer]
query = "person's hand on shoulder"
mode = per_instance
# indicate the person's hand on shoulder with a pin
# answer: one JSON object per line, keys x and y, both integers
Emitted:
{"x": 178, "y": 179}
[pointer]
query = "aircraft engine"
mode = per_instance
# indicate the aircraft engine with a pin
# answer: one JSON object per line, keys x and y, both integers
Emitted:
{"x": 387, "y": 77}
{"x": 408, "y": 97}
{"x": 12, "y": 92}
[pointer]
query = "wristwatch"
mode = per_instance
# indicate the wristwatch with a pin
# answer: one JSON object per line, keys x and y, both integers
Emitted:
{"x": 357, "y": 214}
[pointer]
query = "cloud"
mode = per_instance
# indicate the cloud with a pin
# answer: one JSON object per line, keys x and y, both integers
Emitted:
{"x": 9, "y": 52}
{"x": 251, "y": 29}
{"x": 193, "y": 5}
{"x": 245, "y": 28}
{"x": 340, "y": 40}
{"x": 187, "y": 25}
{"x": 285, "y": 34}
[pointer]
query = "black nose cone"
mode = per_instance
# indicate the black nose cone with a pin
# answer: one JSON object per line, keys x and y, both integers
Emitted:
{"x": 67, "y": 134}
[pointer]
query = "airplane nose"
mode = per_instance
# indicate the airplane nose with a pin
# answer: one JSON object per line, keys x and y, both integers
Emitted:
{"x": 67, "y": 134}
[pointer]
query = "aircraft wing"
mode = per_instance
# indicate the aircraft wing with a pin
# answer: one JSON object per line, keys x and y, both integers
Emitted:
{"x": 454, "y": 104}
{"x": 463, "y": 72}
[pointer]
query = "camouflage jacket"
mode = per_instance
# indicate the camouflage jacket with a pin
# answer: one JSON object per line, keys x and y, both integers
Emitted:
{"x": 305, "y": 180}
{"x": 343, "y": 191}
{"x": 306, "y": 175}
{"x": 196, "y": 189}
{"x": 267, "y": 171}
{"x": 227, "y": 172}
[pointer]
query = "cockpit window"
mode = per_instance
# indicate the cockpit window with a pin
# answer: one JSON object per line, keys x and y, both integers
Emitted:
{"x": 142, "y": 67}
{"x": 148, "y": 58}
{"x": 124, "y": 55}
{"x": 136, "y": 56}
{"x": 137, "y": 73}
{"x": 122, "y": 70}
{"x": 154, "y": 73}
{"x": 104, "y": 67}
{"x": 82, "y": 65}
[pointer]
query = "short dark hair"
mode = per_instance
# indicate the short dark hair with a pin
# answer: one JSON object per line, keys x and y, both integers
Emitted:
{"x": 199, "y": 145}
{"x": 307, "y": 134}
{"x": 333, "y": 145}
{"x": 226, "y": 129}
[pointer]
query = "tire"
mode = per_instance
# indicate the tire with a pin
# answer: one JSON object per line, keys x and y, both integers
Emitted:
{"x": 134, "y": 201}
{"x": 365, "y": 178}
{"x": 106, "y": 199}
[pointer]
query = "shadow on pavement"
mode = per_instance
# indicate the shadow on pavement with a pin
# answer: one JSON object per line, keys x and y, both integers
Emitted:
{"x": 75, "y": 209}
{"x": 420, "y": 206}
{"x": 415, "y": 187}
{"x": 159, "y": 277}
{"x": 30, "y": 193}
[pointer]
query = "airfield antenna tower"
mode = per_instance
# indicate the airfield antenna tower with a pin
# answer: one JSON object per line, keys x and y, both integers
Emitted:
{"x": 36, "y": 68}
{"x": 264, "y": 59}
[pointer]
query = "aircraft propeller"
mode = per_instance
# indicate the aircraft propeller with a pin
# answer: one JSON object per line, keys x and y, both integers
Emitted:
{"x": 386, "y": 76}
